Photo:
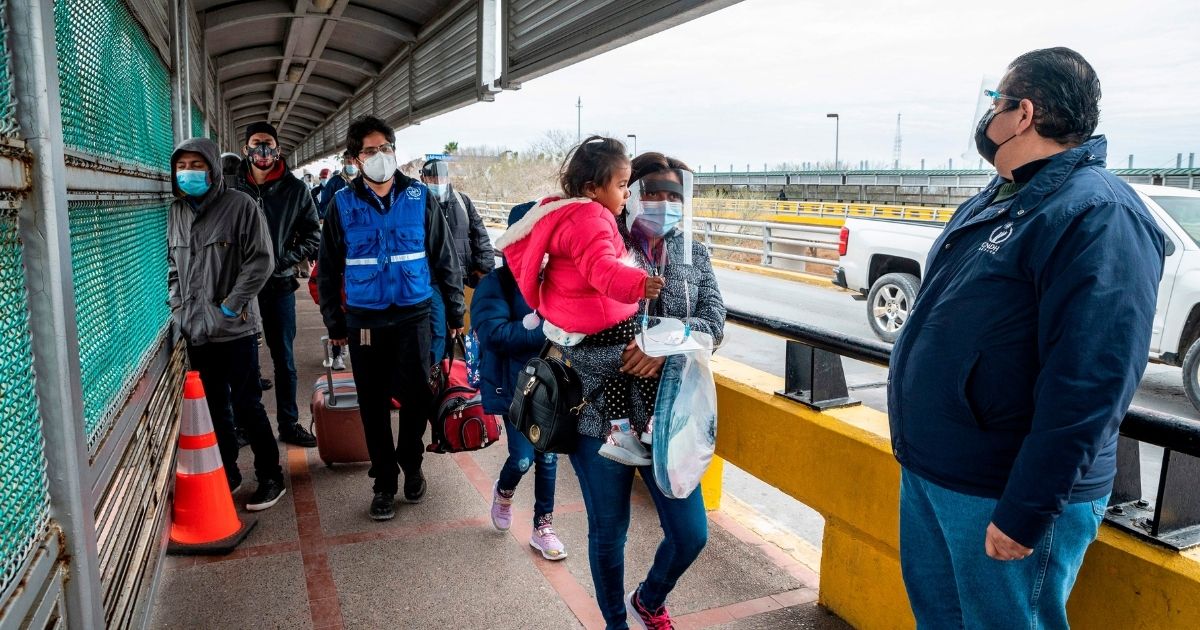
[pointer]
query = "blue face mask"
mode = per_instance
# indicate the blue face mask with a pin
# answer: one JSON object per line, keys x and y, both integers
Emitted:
{"x": 350, "y": 170}
{"x": 658, "y": 218}
{"x": 439, "y": 190}
{"x": 192, "y": 183}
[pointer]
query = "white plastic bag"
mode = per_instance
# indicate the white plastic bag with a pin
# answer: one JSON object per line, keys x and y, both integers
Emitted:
{"x": 685, "y": 420}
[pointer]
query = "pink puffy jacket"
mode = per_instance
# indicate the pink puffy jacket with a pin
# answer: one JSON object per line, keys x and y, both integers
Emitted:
{"x": 590, "y": 282}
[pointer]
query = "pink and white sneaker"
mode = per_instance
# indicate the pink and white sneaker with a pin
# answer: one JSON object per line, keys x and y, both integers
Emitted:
{"x": 546, "y": 541}
{"x": 648, "y": 619}
{"x": 501, "y": 509}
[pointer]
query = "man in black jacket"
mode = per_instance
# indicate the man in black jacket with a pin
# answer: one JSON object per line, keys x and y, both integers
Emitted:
{"x": 472, "y": 245}
{"x": 383, "y": 314}
{"x": 292, "y": 218}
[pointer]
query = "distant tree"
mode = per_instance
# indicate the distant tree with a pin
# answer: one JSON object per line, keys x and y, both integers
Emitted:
{"x": 451, "y": 147}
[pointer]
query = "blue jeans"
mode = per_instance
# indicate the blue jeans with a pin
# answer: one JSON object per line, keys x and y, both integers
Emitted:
{"x": 437, "y": 327}
{"x": 606, "y": 487}
{"x": 520, "y": 457}
{"x": 951, "y": 581}
{"x": 279, "y": 332}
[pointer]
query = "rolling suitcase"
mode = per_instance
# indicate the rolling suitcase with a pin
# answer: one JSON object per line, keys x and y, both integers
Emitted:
{"x": 336, "y": 421}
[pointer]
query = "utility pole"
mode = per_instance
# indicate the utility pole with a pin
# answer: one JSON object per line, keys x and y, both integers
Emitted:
{"x": 837, "y": 131}
{"x": 579, "y": 120}
{"x": 896, "y": 146}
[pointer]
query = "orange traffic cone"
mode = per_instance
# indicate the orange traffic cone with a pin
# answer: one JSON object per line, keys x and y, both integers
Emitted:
{"x": 204, "y": 521}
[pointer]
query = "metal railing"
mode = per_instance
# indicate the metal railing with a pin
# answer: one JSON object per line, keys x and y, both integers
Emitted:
{"x": 825, "y": 209}
{"x": 764, "y": 235}
{"x": 814, "y": 377}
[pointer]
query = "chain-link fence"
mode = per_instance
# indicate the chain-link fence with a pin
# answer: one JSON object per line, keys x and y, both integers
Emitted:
{"x": 197, "y": 122}
{"x": 115, "y": 91}
{"x": 24, "y": 501}
{"x": 119, "y": 258}
{"x": 8, "y": 104}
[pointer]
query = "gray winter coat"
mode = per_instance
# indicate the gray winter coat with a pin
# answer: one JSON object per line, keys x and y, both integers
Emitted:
{"x": 218, "y": 251}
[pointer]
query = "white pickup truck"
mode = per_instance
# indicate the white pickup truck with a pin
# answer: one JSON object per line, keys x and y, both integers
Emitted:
{"x": 884, "y": 262}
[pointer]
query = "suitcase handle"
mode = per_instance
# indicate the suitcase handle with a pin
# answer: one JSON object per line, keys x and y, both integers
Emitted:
{"x": 328, "y": 363}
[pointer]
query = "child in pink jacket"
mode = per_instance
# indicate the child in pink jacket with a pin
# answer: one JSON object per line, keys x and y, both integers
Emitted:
{"x": 588, "y": 288}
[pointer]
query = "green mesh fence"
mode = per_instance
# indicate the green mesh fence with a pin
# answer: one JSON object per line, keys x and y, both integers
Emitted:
{"x": 8, "y": 104}
{"x": 116, "y": 93}
{"x": 24, "y": 501}
{"x": 119, "y": 258}
{"x": 197, "y": 122}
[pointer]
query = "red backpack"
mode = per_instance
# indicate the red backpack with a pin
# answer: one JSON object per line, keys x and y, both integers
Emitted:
{"x": 459, "y": 423}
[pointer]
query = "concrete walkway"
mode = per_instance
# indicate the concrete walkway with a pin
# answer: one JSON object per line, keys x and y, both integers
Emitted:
{"x": 317, "y": 561}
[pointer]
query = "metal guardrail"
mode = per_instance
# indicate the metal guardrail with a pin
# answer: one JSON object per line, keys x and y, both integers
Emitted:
{"x": 762, "y": 234}
{"x": 814, "y": 377}
{"x": 825, "y": 209}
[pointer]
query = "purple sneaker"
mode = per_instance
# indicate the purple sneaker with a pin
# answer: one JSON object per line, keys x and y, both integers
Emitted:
{"x": 546, "y": 541}
{"x": 501, "y": 509}
{"x": 648, "y": 619}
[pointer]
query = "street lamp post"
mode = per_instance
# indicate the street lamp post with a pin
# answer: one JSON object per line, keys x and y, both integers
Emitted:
{"x": 634, "y": 136}
{"x": 837, "y": 124}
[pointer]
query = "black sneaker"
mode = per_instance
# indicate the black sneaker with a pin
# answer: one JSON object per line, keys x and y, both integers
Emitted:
{"x": 383, "y": 506}
{"x": 266, "y": 495}
{"x": 414, "y": 487}
{"x": 265, "y": 384}
{"x": 297, "y": 435}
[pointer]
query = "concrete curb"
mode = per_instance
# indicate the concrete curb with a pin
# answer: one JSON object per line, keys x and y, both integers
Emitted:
{"x": 781, "y": 274}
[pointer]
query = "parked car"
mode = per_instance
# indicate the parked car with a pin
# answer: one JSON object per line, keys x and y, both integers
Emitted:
{"x": 884, "y": 261}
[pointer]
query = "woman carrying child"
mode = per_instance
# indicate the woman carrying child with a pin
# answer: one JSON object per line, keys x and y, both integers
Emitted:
{"x": 589, "y": 293}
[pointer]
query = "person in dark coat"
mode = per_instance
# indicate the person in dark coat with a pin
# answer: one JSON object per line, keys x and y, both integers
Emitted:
{"x": 292, "y": 218}
{"x": 507, "y": 340}
{"x": 1011, "y": 377}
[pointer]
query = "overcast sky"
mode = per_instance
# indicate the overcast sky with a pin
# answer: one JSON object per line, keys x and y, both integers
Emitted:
{"x": 753, "y": 83}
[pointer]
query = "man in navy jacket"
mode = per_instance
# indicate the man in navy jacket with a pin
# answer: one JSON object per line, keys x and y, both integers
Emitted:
{"x": 1019, "y": 360}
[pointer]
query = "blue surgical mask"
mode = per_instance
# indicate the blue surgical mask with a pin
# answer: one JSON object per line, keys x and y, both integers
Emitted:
{"x": 439, "y": 190}
{"x": 350, "y": 170}
{"x": 658, "y": 218}
{"x": 192, "y": 183}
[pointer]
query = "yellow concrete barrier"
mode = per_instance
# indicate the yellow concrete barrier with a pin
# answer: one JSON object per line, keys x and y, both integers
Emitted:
{"x": 840, "y": 464}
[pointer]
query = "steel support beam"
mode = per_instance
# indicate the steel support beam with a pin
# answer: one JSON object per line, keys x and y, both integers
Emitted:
{"x": 181, "y": 86}
{"x": 44, "y": 228}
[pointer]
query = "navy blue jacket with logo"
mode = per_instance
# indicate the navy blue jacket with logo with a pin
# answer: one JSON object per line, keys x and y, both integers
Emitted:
{"x": 1027, "y": 341}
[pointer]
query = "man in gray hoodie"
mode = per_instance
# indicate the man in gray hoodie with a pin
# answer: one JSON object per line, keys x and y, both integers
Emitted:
{"x": 218, "y": 259}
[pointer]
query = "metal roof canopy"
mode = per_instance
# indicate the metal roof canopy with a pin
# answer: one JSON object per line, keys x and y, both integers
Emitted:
{"x": 311, "y": 66}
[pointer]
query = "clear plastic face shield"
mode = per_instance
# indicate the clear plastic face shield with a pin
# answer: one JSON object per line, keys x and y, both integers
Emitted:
{"x": 659, "y": 204}
{"x": 983, "y": 104}
{"x": 436, "y": 175}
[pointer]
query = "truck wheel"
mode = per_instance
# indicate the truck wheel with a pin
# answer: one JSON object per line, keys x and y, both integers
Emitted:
{"x": 888, "y": 303}
{"x": 1191, "y": 374}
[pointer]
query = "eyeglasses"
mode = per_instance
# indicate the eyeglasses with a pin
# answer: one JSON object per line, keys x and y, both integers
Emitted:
{"x": 997, "y": 97}
{"x": 386, "y": 149}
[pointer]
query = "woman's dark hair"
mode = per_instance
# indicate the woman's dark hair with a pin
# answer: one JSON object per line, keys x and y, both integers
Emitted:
{"x": 363, "y": 127}
{"x": 654, "y": 162}
{"x": 595, "y": 160}
{"x": 1064, "y": 89}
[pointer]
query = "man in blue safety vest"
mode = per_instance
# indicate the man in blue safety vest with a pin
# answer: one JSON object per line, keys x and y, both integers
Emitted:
{"x": 1019, "y": 359}
{"x": 218, "y": 258}
{"x": 385, "y": 243}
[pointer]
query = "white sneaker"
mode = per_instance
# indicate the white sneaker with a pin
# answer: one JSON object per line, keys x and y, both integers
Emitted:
{"x": 339, "y": 363}
{"x": 624, "y": 448}
{"x": 648, "y": 434}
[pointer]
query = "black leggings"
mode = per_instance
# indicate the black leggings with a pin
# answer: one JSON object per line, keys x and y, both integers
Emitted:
{"x": 616, "y": 391}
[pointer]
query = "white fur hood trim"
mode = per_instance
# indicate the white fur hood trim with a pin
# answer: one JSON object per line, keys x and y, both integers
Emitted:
{"x": 524, "y": 227}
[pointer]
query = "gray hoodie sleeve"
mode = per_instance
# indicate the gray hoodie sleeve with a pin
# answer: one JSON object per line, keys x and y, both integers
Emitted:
{"x": 257, "y": 259}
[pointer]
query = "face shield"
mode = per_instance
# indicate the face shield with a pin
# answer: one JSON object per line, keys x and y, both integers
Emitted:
{"x": 436, "y": 175}
{"x": 983, "y": 104}
{"x": 661, "y": 203}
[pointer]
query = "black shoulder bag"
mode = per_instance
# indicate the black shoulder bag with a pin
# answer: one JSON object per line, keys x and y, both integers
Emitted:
{"x": 547, "y": 401}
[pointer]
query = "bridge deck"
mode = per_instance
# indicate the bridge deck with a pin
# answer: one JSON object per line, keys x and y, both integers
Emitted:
{"x": 316, "y": 561}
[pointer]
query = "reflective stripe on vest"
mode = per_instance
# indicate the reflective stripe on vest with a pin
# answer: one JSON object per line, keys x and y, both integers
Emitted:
{"x": 375, "y": 261}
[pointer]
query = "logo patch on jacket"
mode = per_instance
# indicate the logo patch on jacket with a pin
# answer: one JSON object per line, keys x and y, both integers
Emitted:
{"x": 414, "y": 192}
{"x": 999, "y": 235}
